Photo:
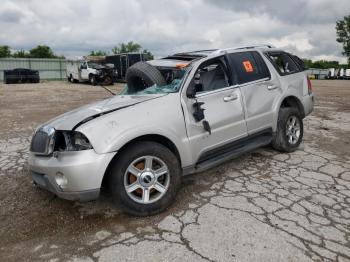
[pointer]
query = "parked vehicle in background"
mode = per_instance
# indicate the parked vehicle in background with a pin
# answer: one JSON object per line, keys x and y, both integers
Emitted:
{"x": 347, "y": 74}
{"x": 91, "y": 71}
{"x": 330, "y": 74}
{"x": 122, "y": 62}
{"x": 178, "y": 115}
{"x": 21, "y": 75}
{"x": 338, "y": 73}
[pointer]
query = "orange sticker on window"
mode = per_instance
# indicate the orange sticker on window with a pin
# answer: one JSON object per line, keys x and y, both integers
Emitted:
{"x": 248, "y": 66}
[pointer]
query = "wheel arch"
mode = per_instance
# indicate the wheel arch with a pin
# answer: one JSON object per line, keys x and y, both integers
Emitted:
{"x": 287, "y": 101}
{"x": 163, "y": 140}
{"x": 293, "y": 101}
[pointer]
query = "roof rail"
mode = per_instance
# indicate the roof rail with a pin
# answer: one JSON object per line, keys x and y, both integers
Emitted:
{"x": 257, "y": 46}
{"x": 244, "y": 47}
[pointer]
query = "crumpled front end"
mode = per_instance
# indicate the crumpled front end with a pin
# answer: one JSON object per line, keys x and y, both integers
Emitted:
{"x": 64, "y": 163}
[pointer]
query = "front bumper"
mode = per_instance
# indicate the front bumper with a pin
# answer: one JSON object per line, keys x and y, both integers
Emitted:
{"x": 44, "y": 182}
{"x": 84, "y": 171}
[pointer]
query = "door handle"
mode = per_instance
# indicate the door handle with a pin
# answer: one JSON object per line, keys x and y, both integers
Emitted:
{"x": 271, "y": 87}
{"x": 230, "y": 98}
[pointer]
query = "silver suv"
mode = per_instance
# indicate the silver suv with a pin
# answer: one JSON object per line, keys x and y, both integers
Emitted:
{"x": 178, "y": 115}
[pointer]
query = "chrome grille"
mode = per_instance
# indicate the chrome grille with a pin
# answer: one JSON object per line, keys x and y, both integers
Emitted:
{"x": 43, "y": 141}
{"x": 39, "y": 142}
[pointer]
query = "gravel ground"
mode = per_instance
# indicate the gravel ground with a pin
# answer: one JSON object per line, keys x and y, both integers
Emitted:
{"x": 263, "y": 206}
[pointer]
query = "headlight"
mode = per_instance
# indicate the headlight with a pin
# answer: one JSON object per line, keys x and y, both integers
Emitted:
{"x": 71, "y": 141}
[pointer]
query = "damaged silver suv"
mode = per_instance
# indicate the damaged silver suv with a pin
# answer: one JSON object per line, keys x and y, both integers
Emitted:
{"x": 178, "y": 115}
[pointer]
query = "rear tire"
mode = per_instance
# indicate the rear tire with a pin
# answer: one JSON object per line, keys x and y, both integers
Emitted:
{"x": 290, "y": 130}
{"x": 155, "y": 184}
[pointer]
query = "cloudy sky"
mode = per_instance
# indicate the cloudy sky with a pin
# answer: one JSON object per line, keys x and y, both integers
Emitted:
{"x": 74, "y": 27}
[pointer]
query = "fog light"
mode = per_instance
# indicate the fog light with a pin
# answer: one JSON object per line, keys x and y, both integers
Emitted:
{"x": 61, "y": 180}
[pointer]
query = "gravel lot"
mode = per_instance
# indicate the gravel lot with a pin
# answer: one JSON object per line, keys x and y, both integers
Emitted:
{"x": 263, "y": 206}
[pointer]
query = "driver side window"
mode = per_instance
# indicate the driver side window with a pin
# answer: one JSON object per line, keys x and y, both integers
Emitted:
{"x": 212, "y": 75}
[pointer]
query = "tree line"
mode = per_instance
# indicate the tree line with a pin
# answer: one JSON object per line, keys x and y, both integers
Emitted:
{"x": 40, "y": 51}
{"x": 44, "y": 51}
{"x": 122, "y": 48}
{"x": 323, "y": 64}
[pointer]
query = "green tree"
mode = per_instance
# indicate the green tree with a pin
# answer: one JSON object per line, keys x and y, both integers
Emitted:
{"x": 5, "y": 51}
{"x": 148, "y": 55}
{"x": 321, "y": 64}
{"x": 131, "y": 47}
{"x": 307, "y": 63}
{"x": 42, "y": 51}
{"x": 126, "y": 48}
{"x": 343, "y": 35}
{"x": 98, "y": 53}
{"x": 20, "y": 54}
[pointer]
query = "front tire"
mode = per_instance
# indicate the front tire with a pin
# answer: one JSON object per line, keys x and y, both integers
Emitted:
{"x": 145, "y": 178}
{"x": 290, "y": 130}
{"x": 93, "y": 80}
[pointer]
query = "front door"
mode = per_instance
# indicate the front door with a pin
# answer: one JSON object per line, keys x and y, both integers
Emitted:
{"x": 84, "y": 71}
{"x": 223, "y": 110}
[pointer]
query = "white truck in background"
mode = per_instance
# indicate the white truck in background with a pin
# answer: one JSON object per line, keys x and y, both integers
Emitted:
{"x": 91, "y": 71}
{"x": 338, "y": 73}
{"x": 347, "y": 74}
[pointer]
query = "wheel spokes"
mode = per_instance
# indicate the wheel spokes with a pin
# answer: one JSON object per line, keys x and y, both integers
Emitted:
{"x": 146, "y": 179}
{"x": 159, "y": 187}
{"x": 131, "y": 188}
{"x": 160, "y": 171}
{"x": 145, "y": 195}
{"x": 148, "y": 162}
{"x": 134, "y": 170}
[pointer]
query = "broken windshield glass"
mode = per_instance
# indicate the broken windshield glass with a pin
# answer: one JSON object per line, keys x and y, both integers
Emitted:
{"x": 173, "y": 78}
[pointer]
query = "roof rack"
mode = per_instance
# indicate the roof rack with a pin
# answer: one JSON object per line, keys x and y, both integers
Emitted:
{"x": 192, "y": 55}
{"x": 244, "y": 47}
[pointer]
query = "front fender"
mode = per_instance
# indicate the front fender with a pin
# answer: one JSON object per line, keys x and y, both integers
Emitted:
{"x": 163, "y": 117}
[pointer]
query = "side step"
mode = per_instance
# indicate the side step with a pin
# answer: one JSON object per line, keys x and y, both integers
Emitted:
{"x": 232, "y": 150}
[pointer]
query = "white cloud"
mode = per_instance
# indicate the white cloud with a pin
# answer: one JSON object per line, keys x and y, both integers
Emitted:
{"x": 306, "y": 27}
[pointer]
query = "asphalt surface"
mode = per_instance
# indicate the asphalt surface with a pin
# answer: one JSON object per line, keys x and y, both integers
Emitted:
{"x": 263, "y": 206}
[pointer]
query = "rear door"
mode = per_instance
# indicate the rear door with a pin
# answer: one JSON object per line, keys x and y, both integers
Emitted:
{"x": 259, "y": 89}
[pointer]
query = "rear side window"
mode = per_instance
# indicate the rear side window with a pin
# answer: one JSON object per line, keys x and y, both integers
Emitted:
{"x": 247, "y": 67}
{"x": 299, "y": 62}
{"x": 284, "y": 64}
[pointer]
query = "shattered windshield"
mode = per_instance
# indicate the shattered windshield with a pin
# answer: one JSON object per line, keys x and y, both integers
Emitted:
{"x": 95, "y": 65}
{"x": 172, "y": 76}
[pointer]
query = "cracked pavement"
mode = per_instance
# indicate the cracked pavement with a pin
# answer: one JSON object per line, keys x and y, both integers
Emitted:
{"x": 262, "y": 206}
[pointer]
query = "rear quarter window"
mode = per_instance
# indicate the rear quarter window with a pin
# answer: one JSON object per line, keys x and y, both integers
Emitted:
{"x": 283, "y": 63}
{"x": 299, "y": 62}
{"x": 247, "y": 67}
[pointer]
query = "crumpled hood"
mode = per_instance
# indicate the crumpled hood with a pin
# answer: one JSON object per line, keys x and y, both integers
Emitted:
{"x": 71, "y": 119}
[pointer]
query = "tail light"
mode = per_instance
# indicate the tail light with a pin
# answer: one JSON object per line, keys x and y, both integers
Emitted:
{"x": 309, "y": 86}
